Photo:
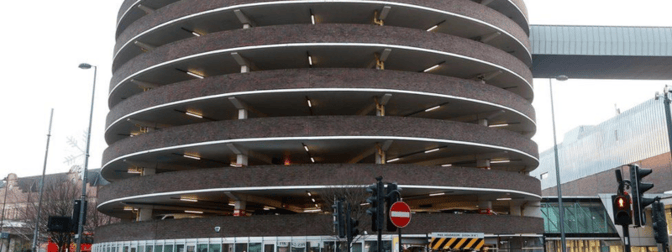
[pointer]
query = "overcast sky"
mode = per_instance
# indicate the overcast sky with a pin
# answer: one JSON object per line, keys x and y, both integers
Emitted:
{"x": 45, "y": 40}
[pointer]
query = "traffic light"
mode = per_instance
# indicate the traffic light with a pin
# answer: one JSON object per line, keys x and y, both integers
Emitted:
{"x": 638, "y": 188}
{"x": 352, "y": 231}
{"x": 622, "y": 212}
{"x": 391, "y": 196}
{"x": 659, "y": 223}
{"x": 60, "y": 224}
{"x": 339, "y": 225}
{"x": 377, "y": 205}
{"x": 74, "y": 223}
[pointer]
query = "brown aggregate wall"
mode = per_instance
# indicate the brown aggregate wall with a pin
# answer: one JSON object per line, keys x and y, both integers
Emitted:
{"x": 605, "y": 182}
{"x": 322, "y": 174}
{"x": 185, "y": 8}
{"x": 320, "y": 126}
{"x": 521, "y": 5}
{"x": 305, "y": 225}
{"x": 326, "y": 33}
{"x": 320, "y": 78}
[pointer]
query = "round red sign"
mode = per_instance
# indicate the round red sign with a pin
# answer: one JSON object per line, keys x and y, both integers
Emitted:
{"x": 400, "y": 214}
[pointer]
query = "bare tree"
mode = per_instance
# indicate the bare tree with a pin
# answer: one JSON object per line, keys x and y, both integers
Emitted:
{"x": 58, "y": 200}
{"x": 353, "y": 195}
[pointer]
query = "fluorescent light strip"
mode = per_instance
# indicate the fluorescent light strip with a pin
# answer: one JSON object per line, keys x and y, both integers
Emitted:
{"x": 314, "y": 187}
{"x": 431, "y": 68}
{"x": 313, "y": 199}
{"x": 312, "y": 159}
{"x": 433, "y": 27}
{"x": 446, "y": 165}
{"x": 310, "y": 104}
{"x": 364, "y": 204}
{"x": 189, "y": 199}
{"x": 313, "y": 44}
{"x": 309, "y": 194}
{"x": 312, "y": 18}
{"x": 504, "y": 199}
{"x": 312, "y": 210}
{"x": 499, "y": 161}
{"x": 310, "y": 60}
{"x": 194, "y": 212}
{"x": 196, "y": 34}
{"x": 393, "y": 160}
{"x": 128, "y": 208}
{"x": 193, "y": 114}
{"x": 432, "y": 150}
{"x": 192, "y": 157}
{"x": 195, "y": 75}
{"x": 498, "y": 125}
{"x": 124, "y": 118}
{"x": 321, "y": 138}
{"x": 436, "y": 194}
{"x": 306, "y": 148}
{"x": 260, "y": 4}
{"x": 232, "y": 204}
{"x": 432, "y": 108}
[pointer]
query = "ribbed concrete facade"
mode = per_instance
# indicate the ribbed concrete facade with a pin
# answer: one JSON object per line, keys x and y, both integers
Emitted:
{"x": 226, "y": 110}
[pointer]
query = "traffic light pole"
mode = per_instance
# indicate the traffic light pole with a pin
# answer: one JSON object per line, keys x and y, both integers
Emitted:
{"x": 668, "y": 118}
{"x": 626, "y": 237}
{"x": 400, "y": 249}
{"x": 381, "y": 206}
{"x": 39, "y": 202}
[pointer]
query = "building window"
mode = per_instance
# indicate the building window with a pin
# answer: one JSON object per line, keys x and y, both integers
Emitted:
{"x": 544, "y": 175}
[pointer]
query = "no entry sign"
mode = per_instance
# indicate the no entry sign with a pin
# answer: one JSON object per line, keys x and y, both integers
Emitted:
{"x": 400, "y": 214}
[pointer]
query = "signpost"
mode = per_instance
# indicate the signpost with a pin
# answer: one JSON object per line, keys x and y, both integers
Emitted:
{"x": 400, "y": 215}
{"x": 457, "y": 241}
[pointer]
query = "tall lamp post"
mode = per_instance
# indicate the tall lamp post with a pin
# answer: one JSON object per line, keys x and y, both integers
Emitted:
{"x": 2, "y": 218}
{"x": 82, "y": 206}
{"x": 668, "y": 116}
{"x": 557, "y": 165}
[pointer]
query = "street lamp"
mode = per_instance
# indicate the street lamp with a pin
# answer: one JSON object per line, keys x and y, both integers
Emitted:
{"x": 557, "y": 165}
{"x": 2, "y": 218}
{"x": 80, "y": 226}
{"x": 668, "y": 116}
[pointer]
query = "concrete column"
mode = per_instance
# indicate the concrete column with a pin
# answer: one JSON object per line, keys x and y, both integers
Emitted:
{"x": 485, "y": 205}
{"x": 241, "y": 160}
{"x": 144, "y": 214}
{"x": 148, "y": 171}
{"x": 531, "y": 209}
{"x": 483, "y": 122}
{"x": 380, "y": 155}
{"x": 242, "y": 114}
{"x": 483, "y": 163}
{"x": 246, "y": 26}
{"x": 515, "y": 209}
{"x": 380, "y": 110}
{"x": 239, "y": 208}
{"x": 244, "y": 69}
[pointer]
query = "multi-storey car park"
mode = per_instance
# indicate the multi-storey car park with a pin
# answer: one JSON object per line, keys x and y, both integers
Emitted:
{"x": 237, "y": 114}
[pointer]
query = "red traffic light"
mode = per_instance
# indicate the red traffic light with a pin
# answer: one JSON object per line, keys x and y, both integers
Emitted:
{"x": 621, "y": 210}
{"x": 622, "y": 202}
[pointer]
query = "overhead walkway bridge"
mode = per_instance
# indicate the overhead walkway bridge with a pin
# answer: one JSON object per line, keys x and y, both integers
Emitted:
{"x": 601, "y": 52}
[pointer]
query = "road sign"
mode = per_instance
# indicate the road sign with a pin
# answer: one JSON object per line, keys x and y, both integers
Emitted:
{"x": 459, "y": 241}
{"x": 400, "y": 214}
